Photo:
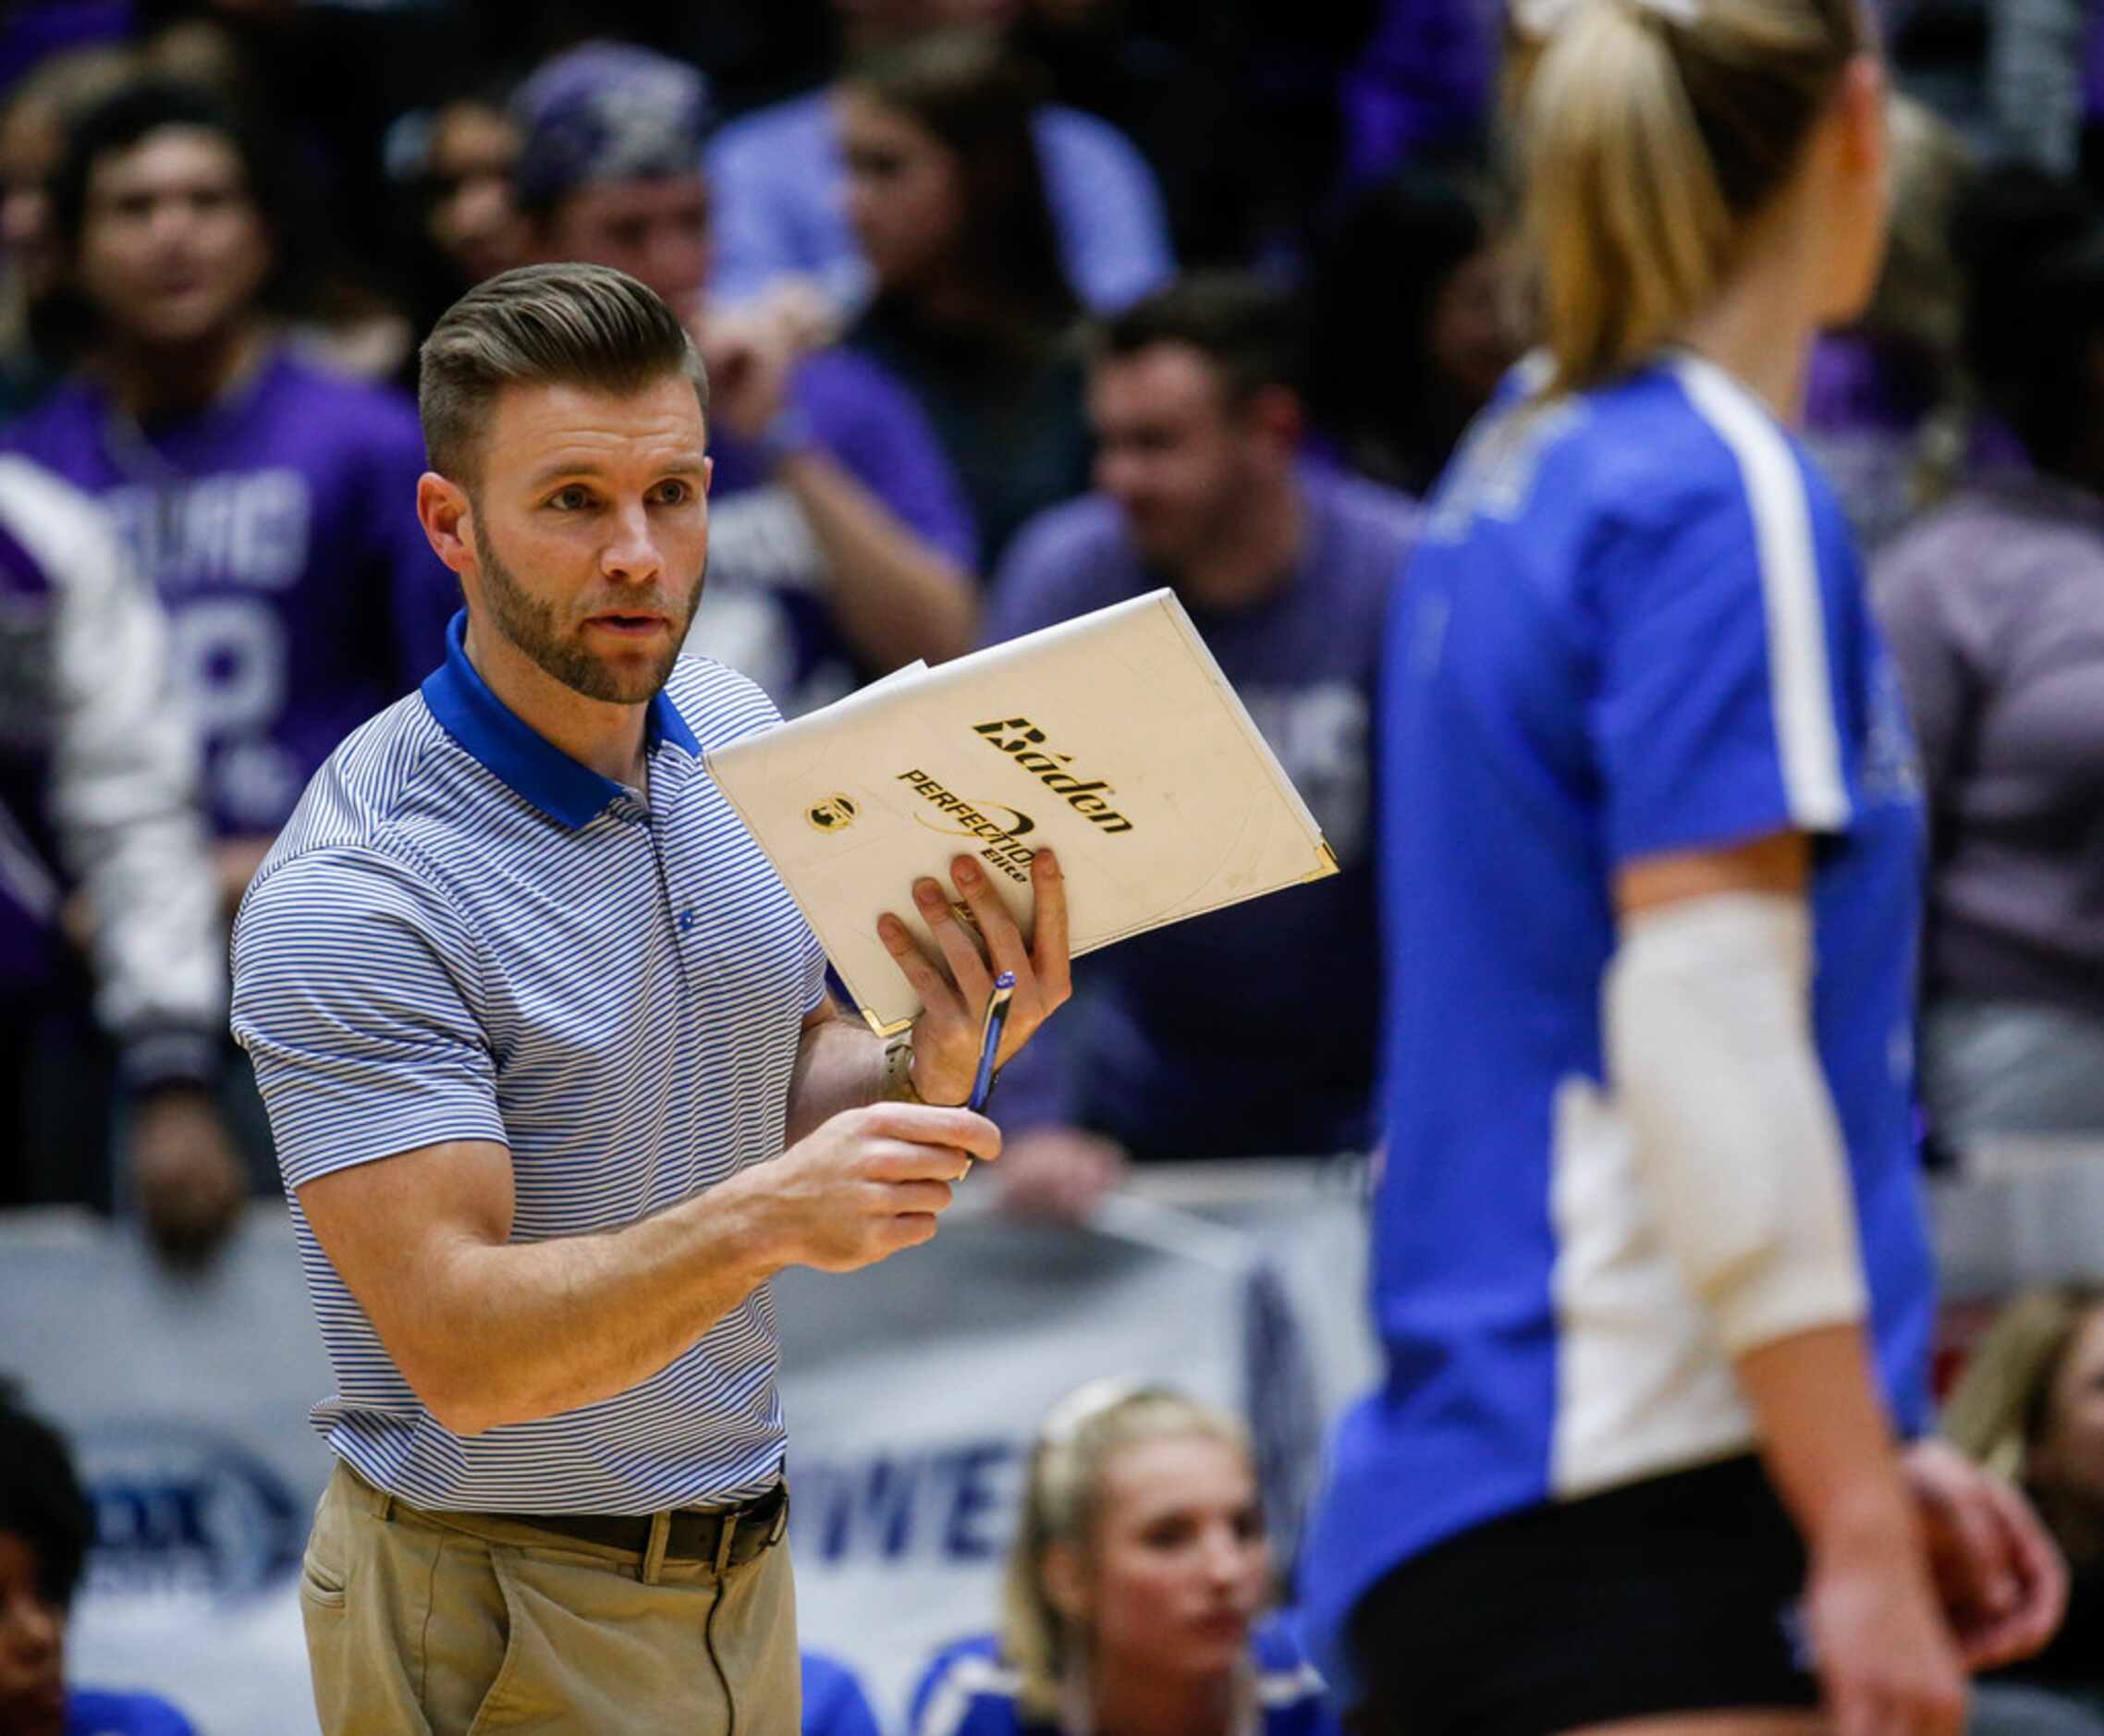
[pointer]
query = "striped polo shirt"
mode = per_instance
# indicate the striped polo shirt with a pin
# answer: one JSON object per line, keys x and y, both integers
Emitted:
{"x": 464, "y": 933}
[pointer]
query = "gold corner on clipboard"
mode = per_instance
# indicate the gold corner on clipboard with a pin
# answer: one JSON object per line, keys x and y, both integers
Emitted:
{"x": 1325, "y": 864}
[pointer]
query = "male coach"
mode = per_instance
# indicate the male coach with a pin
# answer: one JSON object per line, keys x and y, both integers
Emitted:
{"x": 556, "y": 1088}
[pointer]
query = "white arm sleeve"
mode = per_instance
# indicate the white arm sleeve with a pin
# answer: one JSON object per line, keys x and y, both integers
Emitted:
{"x": 124, "y": 786}
{"x": 1711, "y": 1059}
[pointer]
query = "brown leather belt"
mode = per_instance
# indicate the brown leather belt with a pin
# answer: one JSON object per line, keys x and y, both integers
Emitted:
{"x": 726, "y": 1538}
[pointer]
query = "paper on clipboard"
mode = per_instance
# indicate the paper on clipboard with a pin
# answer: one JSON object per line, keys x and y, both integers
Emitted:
{"x": 1113, "y": 739}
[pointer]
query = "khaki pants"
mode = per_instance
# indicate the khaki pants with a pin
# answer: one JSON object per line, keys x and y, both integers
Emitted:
{"x": 450, "y": 1624}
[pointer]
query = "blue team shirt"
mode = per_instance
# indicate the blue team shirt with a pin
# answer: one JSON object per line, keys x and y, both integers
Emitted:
{"x": 90, "y": 1712}
{"x": 1635, "y": 625}
{"x": 968, "y": 1690}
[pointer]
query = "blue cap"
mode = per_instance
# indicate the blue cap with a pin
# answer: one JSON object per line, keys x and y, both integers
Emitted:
{"x": 607, "y": 112}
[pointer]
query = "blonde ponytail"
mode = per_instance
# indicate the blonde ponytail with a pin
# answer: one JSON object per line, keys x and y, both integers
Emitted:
{"x": 1648, "y": 135}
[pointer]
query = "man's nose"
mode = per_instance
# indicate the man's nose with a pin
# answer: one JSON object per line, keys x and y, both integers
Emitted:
{"x": 632, "y": 555}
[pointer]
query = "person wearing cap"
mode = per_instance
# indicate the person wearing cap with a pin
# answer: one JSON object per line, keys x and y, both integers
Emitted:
{"x": 842, "y": 542}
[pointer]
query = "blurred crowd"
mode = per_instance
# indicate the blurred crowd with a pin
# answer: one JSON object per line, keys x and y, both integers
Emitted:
{"x": 1012, "y": 309}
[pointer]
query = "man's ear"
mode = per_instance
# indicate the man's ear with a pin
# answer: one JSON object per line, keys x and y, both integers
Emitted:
{"x": 448, "y": 517}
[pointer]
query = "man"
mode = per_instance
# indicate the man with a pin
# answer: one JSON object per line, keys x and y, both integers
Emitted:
{"x": 46, "y": 1525}
{"x": 1251, "y": 1031}
{"x": 781, "y": 177}
{"x": 100, "y": 846}
{"x": 263, "y": 495}
{"x": 535, "y": 1022}
{"x": 841, "y": 539}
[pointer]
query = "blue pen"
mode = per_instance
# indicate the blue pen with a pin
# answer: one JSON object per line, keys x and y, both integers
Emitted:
{"x": 990, "y": 1038}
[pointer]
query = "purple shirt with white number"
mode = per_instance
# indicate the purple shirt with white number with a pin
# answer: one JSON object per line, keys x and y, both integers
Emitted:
{"x": 279, "y": 527}
{"x": 765, "y": 612}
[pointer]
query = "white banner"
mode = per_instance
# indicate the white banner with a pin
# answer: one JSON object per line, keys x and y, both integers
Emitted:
{"x": 913, "y": 1391}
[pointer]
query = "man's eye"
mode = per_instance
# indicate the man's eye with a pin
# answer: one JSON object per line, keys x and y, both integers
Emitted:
{"x": 675, "y": 494}
{"x": 571, "y": 500}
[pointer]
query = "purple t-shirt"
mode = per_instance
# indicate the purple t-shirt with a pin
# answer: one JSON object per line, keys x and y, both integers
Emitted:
{"x": 1990, "y": 607}
{"x": 765, "y": 611}
{"x": 279, "y": 527}
{"x": 1176, "y": 1052}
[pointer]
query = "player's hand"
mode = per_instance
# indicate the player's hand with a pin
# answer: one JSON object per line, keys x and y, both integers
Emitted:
{"x": 1885, "y": 1660}
{"x": 1061, "y": 1174}
{"x": 953, "y": 994}
{"x": 870, "y": 1181}
{"x": 2002, "y": 1582}
{"x": 188, "y": 1176}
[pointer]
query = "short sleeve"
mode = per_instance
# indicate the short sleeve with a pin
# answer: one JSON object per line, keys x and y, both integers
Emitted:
{"x": 353, "y": 995}
{"x": 1724, "y": 621}
{"x": 1062, "y": 563}
{"x": 964, "y": 1692}
{"x": 872, "y": 425}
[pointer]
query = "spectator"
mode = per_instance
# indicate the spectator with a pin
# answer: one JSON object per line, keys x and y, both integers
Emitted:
{"x": 1286, "y": 569}
{"x": 1134, "y": 1586}
{"x": 2031, "y": 1405}
{"x": 456, "y": 163}
{"x": 1887, "y": 412}
{"x": 780, "y": 174}
{"x": 834, "y": 1703}
{"x": 32, "y": 139}
{"x": 1415, "y": 321}
{"x": 45, "y": 1528}
{"x": 973, "y": 309}
{"x": 271, "y": 502}
{"x": 840, "y": 545}
{"x": 1989, "y": 604}
{"x": 97, "y": 773}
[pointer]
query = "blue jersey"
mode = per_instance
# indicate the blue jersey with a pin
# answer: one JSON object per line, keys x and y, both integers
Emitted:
{"x": 1634, "y": 626}
{"x": 968, "y": 1690}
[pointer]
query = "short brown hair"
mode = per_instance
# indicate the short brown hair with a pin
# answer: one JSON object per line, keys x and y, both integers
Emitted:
{"x": 587, "y": 325}
{"x": 1649, "y": 135}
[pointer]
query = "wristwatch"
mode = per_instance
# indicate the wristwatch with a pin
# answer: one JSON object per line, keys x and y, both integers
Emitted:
{"x": 897, "y": 1081}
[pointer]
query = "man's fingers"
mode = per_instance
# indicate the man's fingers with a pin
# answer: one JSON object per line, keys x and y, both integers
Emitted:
{"x": 1004, "y": 939}
{"x": 937, "y": 995}
{"x": 908, "y": 1199}
{"x": 925, "y": 1129}
{"x": 960, "y": 950}
{"x": 1048, "y": 930}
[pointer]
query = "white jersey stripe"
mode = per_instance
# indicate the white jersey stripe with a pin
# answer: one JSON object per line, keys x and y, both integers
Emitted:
{"x": 1808, "y": 742}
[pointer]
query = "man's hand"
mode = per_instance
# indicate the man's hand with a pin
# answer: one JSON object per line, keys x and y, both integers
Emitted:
{"x": 867, "y": 1184}
{"x": 1060, "y": 1173}
{"x": 188, "y": 1176}
{"x": 2002, "y": 1581}
{"x": 749, "y": 355}
{"x": 953, "y": 1000}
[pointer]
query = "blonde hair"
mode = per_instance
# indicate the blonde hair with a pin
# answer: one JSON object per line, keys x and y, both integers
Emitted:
{"x": 1061, "y": 1503}
{"x": 2003, "y": 1405}
{"x": 1648, "y": 136}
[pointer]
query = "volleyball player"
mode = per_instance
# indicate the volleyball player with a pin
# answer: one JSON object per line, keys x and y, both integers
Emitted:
{"x": 1649, "y": 1266}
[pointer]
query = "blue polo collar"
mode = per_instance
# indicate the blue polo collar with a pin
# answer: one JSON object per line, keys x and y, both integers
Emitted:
{"x": 567, "y": 792}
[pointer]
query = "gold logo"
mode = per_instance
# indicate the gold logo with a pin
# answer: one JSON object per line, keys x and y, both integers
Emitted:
{"x": 836, "y": 813}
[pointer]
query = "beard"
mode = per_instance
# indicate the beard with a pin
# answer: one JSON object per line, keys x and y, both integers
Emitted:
{"x": 560, "y": 651}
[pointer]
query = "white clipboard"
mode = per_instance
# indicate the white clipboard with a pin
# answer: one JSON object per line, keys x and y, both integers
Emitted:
{"x": 1113, "y": 739}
